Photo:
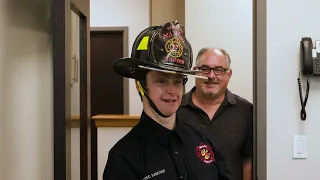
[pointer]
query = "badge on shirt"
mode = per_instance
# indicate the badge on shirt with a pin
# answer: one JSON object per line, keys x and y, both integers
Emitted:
{"x": 205, "y": 153}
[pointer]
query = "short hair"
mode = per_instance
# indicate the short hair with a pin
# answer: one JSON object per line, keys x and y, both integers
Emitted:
{"x": 205, "y": 49}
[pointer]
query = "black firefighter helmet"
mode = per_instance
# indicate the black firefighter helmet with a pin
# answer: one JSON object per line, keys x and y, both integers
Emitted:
{"x": 164, "y": 48}
{"x": 160, "y": 48}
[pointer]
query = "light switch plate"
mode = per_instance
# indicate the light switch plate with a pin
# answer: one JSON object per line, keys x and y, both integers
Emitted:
{"x": 299, "y": 147}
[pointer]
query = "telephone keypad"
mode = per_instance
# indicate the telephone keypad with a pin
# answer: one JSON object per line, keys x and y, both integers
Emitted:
{"x": 316, "y": 66}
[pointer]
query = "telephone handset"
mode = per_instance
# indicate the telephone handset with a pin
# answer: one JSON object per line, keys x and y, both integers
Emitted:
{"x": 310, "y": 66}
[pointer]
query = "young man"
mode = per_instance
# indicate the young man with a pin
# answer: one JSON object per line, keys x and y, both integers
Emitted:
{"x": 227, "y": 117}
{"x": 160, "y": 146}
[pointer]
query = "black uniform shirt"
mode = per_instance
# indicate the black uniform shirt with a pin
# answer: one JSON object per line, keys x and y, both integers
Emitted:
{"x": 152, "y": 152}
{"x": 231, "y": 128}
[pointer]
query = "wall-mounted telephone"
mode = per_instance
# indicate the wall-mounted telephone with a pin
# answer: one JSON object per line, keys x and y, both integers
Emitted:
{"x": 310, "y": 66}
{"x": 310, "y": 57}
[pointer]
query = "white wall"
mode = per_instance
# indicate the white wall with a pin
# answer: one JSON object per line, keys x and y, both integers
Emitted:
{"x": 26, "y": 95}
{"x": 75, "y": 153}
{"x": 106, "y": 138}
{"x": 133, "y": 14}
{"x": 226, "y": 24}
{"x": 286, "y": 24}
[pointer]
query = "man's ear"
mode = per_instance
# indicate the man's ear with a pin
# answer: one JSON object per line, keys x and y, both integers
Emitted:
{"x": 229, "y": 73}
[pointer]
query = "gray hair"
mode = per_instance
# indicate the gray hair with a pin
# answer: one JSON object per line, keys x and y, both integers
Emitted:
{"x": 205, "y": 49}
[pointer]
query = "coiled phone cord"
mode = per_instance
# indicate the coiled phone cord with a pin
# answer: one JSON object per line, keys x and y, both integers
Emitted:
{"x": 303, "y": 113}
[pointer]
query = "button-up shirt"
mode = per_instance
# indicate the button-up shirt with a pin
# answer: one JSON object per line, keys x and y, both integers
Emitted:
{"x": 231, "y": 128}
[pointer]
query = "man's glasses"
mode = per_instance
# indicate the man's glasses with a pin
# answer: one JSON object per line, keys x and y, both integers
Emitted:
{"x": 216, "y": 70}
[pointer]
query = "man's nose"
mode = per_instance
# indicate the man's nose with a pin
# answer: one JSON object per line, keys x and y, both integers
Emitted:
{"x": 171, "y": 88}
{"x": 211, "y": 74}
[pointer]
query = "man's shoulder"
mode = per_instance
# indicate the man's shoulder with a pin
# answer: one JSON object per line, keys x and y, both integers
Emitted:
{"x": 241, "y": 100}
{"x": 190, "y": 127}
{"x": 200, "y": 131}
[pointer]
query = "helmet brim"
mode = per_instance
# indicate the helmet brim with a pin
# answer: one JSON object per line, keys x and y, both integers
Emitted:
{"x": 127, "y": 67}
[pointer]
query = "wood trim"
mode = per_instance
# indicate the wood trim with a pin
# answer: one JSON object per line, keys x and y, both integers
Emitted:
{"x": 106, "y": 120}
{"x": 150, "y": 12}
{"x": 103, "y": 29}
{"x": 75, "y": 121}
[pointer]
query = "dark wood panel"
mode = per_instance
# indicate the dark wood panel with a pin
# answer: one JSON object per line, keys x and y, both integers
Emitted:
{"x": 59, "y": 89}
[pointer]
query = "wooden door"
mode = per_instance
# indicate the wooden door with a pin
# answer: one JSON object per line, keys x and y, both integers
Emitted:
{"x": 106, "y": 85}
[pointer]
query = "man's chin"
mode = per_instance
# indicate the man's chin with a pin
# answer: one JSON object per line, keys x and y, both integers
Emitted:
{"x": 211, "y": 93}
{"x": 169, "y": 113}
{"x": 210, "y": 90}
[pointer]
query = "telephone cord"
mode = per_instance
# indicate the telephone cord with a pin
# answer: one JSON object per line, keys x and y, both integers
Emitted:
{"x": 303, "y": 113}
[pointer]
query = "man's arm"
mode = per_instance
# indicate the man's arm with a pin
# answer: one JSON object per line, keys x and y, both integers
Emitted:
{"x": 117, "y": 168}
{"x": 248, "y": 148}
{"x": 247, "y": 169}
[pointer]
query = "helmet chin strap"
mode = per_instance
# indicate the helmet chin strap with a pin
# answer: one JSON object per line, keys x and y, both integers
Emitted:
{"x": 142, "y": 91}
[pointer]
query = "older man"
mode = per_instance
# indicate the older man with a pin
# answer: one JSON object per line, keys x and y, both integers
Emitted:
{"x": 226, "y": 116}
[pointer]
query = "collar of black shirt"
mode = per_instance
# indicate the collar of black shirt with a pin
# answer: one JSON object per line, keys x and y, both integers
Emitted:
{"x": 160, "y": 133}
{"x": 187, "y": 98}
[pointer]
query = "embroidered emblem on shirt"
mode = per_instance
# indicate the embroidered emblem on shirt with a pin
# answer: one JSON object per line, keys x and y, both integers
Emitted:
{"x": 154, "y": 174}
{"x": 205, "y": 153}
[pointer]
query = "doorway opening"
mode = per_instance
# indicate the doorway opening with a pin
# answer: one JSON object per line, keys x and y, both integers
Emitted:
{"x": 109, "y": 91}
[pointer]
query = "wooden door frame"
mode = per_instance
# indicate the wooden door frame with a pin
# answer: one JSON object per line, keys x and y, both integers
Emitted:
{"x": 59, "y": 91}
{"x": 61, "y": 40}
{"x": 259, "y": 25}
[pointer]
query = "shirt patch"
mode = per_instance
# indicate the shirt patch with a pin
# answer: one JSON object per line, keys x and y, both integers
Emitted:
{"x": 205, "y": 153}
{"x": 154, "y": 174}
